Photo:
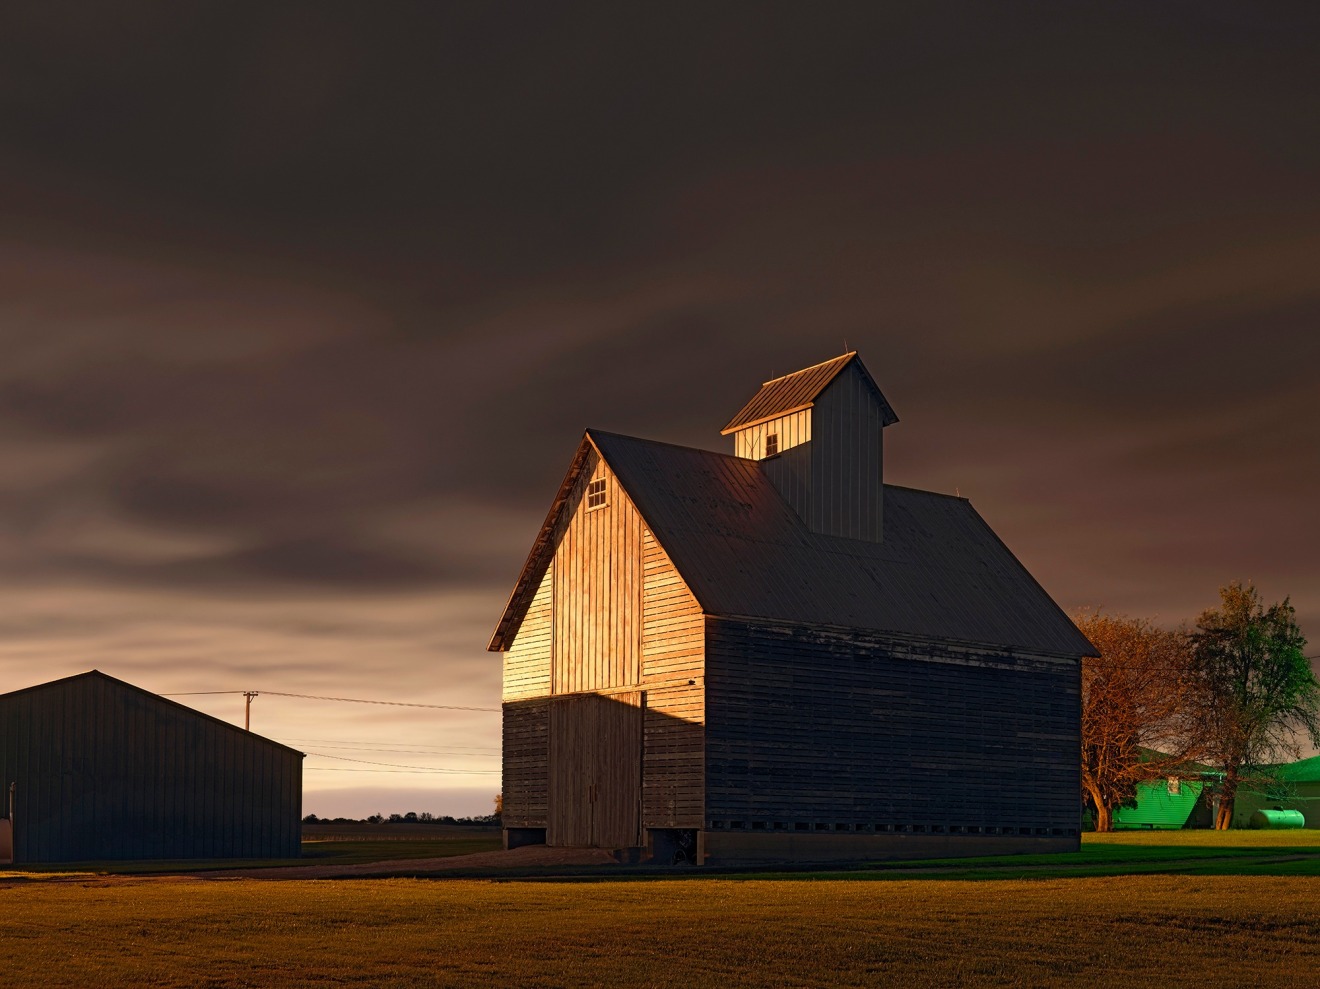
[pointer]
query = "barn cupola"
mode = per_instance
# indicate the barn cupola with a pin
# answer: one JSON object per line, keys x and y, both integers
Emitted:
{"x": 818, "y": 435}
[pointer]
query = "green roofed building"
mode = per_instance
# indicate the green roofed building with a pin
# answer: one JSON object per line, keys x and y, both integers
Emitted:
{"x": 1298, "y": 789}
{"x": 1183, "y": 802}
{"x": 1166, "y": 804}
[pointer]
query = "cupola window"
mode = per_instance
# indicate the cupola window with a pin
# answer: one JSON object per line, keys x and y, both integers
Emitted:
{"x": 771, "y": 444}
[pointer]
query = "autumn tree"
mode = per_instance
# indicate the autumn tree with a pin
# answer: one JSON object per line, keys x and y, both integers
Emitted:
{"x": 1263, "y": 694}
{"x": 1139, "y": 704}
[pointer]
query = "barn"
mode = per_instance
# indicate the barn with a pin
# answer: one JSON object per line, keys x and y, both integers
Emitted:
{"x": 772, "y": 654}
{"x": 97, "y": 769}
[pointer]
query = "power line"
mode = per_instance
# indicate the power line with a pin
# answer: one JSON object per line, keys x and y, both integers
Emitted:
{"x": 352, "y": 741}
{"x": 341, "y": 769}
{"x": 346, "y": 700}
{"x": 398, "y": 765}
{"x": 387, "y": 750}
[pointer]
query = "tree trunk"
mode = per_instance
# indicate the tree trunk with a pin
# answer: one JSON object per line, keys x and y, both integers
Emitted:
{"x": 1227, "y": 797}
{"x": 1104, "y": 818}
{"x": 1104, "y": 814}
{"x": 1225, "y": 819}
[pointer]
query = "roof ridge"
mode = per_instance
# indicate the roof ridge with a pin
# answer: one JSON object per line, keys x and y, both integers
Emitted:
{"x": 803, "y": 370}
{"x": 937, "y": 494}
{"x": 674, "y": 446}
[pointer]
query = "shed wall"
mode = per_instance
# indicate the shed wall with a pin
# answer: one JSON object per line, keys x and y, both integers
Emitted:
{"x": 105, "y": 771}
{"x": 848, "y": 731}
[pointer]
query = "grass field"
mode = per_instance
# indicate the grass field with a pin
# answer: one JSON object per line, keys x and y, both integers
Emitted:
{"x": 794, "y": 930}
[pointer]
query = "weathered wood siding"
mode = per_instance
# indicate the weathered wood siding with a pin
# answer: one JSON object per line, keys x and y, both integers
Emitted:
{"x": 526, "y": 762}
{"x": 527, "y": 661}
{"x": 673, "y": 666}
{"x": 848, "y": 731}
{"x": 792, "y": 430}
{"x": 596, "y": 769}
{"x": 597, "y": 626}
{"x": 847, "y": 482}
{"x": 107, "y": 771}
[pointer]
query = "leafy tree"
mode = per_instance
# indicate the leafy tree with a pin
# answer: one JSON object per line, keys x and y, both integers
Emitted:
{"x": 1262, "y": 691}
{"x": 1139, "y": 699}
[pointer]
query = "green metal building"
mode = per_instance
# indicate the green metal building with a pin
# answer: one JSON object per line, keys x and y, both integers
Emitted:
{"x": 1298, "y": 789}
{"x": 1166, "y": 804}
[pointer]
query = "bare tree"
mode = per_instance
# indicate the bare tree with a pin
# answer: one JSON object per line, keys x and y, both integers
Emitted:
{"x": 1140, "y": 699}
{"x": 1263, "y": 694}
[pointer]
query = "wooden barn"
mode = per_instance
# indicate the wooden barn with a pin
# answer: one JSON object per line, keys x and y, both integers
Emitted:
{"x": 774, "y": 655}
{"x": 103, "y": 770}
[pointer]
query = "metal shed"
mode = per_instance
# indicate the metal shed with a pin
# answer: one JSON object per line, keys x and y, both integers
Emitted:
{"x": 104, "y": 770}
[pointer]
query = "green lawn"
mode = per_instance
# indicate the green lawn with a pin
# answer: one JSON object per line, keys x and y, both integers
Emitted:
{"x": 1240, "y": 853}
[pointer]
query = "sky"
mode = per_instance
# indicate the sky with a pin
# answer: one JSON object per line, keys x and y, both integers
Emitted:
{"x": 305, "y": 306}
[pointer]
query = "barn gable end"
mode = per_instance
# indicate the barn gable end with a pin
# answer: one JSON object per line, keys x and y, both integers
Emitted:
{"x": 609, "y": 616}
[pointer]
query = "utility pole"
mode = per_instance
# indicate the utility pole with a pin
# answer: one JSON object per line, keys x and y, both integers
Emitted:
{"x": 247, "y": 713}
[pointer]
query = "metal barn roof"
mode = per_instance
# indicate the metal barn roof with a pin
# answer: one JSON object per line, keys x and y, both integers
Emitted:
{"x": 799, "y": 390}
{"x": 940, "y": 572}
{"x": 78, "y": 679}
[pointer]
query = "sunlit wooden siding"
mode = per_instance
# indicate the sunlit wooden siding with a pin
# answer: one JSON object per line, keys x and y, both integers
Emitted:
{"x": 105, "y": 770}
{"x": 829, "y": 727}
{"x": 527, "y": 661}
{"x": 597, "y": 628}
{"x": 673, "y": 672}
{"x": 791, "y": 430}
{"x": 610, "y": 615}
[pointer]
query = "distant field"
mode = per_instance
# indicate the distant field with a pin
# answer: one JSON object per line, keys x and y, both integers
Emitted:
{"x": 719, "y": 932}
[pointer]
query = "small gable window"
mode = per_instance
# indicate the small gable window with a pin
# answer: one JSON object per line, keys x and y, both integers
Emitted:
{"x": 596, "y": 493}
{"x": 1175, "y": 786}
{"x": 771, "y": 444}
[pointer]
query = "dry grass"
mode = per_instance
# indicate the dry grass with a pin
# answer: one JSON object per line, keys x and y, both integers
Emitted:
{"x": 697, "y": 931}
{"x": 163, "y": 932}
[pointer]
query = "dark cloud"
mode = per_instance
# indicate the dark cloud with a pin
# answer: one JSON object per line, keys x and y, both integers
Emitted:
{"x": 309, "y": 303}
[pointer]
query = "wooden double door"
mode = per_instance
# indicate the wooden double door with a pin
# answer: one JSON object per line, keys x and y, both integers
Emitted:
{"x": 595, "y": 754}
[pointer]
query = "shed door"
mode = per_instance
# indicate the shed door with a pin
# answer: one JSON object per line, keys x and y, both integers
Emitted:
{"x": 596, "y": 770}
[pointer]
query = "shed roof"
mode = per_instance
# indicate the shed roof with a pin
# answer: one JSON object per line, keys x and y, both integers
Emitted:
{"x": 78, "y": 679}
{"x": 1302, "y": 771}
{"x": 797, "y": 391}
{"x": 940, "y": 572}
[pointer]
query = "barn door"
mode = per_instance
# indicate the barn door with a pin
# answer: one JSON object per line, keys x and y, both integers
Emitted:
{"x": 596, "y": 770}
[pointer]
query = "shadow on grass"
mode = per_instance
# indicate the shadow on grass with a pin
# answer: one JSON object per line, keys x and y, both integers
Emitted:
{"x": 336, "y": 852}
